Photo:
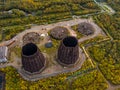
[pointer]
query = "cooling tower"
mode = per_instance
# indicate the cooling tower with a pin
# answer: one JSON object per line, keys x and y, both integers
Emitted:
{"x": 32, "y": 59}
{"x": 68, "y": 52}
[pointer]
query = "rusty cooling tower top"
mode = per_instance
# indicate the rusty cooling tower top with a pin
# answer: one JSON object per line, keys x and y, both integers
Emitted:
{"x": 68, "y": 52}
{"x": 32, "y": 59}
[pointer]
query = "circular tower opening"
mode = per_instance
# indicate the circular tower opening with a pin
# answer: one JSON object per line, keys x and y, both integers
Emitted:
{"x": 70, "y": 41}
{"x": 29, "y": 49}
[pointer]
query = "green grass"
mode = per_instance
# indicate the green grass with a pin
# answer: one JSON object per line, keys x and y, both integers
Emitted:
{"x": 79, "y": 35}
{"x": 15, "y": 52}
{"x": 91, "y": 81}
{"x": 51, "y": 50}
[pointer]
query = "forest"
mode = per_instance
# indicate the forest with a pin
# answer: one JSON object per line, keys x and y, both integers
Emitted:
{"x": 107, "y": 54}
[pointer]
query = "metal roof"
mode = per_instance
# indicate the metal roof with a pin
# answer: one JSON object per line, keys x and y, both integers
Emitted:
{"x": 3, "y": 53}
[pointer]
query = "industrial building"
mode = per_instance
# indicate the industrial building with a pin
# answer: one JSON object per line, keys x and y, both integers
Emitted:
{"x": 3, "y": 53}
